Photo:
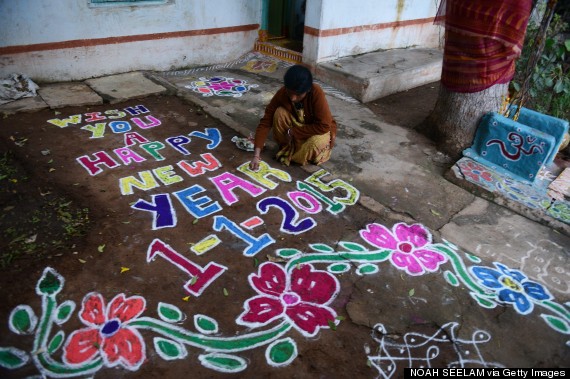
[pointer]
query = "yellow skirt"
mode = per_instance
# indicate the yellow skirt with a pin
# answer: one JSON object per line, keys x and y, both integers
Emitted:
{"x": 314, "y": 150}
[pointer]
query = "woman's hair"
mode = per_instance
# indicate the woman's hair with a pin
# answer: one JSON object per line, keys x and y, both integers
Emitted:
{"x": 298, "y": 79}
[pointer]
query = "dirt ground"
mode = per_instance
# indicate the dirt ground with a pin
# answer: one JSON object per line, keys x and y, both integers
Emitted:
{"x": 56, "y": 214}
{"x": 408, "y": 108}
{"x": 176, "y": 239}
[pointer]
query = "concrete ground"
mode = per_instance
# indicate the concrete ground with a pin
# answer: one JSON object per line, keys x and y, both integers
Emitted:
{"x": 490, "y": 281}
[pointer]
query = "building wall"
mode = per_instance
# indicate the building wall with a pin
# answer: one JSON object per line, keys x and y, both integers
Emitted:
{"x": 72, "y": 39}
{"x": 338, "y": 28}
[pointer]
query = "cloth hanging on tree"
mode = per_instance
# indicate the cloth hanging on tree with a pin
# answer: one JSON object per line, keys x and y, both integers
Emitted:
{"x": 482, "y": 40}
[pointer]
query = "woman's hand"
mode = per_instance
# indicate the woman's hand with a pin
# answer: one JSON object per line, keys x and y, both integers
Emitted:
{"x": 254, "y": 164}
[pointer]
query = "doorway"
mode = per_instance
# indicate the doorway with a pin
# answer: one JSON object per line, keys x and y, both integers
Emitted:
{"x": 286, "y": 23}
{"x": 282, "y": 29}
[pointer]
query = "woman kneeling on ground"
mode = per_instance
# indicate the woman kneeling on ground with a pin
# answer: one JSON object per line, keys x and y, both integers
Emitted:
{"x": 301, "y": 120}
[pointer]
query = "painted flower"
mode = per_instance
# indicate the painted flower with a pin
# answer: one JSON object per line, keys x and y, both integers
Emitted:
{"x": 511, "y": 286}
{"x": 475, "y": 171}
{"x": 302, "y": 297}
{"x": 107, "y": 333}
{"x": 560, "y": 210}
{"x": 410, "y": 245}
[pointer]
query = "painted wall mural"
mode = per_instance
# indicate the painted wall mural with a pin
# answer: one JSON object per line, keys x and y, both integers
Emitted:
{"x": 296, "y": 295}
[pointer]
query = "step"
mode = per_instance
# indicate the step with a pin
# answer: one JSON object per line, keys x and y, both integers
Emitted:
{"x": 374, "y": 75}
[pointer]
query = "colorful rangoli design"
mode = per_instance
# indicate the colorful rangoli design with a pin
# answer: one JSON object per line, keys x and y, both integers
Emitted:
{"x": 296, "y": 295}
{"x": 260, "y": 65}
{"x": 220, "y": 86}
{"x": 532, "y": 195}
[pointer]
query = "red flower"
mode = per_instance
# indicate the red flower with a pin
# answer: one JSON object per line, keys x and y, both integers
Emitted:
{"x": 302, "y": 298}
{"x": 107, "y": 333}
{"x": 475, "y": 171}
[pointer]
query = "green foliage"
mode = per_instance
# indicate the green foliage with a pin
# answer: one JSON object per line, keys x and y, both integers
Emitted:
{"x": 549, "y": 90}
{"x": 34, "y": 222}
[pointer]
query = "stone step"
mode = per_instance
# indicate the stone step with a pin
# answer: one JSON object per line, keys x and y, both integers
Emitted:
{"x": 374, "y": 75}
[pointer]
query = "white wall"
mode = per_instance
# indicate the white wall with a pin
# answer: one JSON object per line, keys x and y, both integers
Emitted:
{"x": 350, "y": 27}
{"x": 70, "y": 40}
{"x": 47, "y": 36}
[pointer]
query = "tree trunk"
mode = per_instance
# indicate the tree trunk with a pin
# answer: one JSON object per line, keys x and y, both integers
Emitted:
{"x": 454, "y": 120}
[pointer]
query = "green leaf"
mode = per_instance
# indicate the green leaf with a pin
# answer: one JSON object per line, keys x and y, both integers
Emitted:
{"x": 351, "y": 246}
{"x": 22, "y": 320}
{"x": 170, "y": 313}
{"x": 169, "y": 350}
{"x": 483, "y": 301}
{"x": 56, "y": 342}
{"x": 548, "y": 82}
{"x": 473, "y": 258}
{"x": 451, "y": 278}
{"x": 332, "y": 324}
{"x": 338, "y": 268}
{"x": 367, "y": 269}
{"x": 225, "y": 292}
{"x": 281, "y": 352}
{"x": 559, "y": 86}
{"x": 50, "y": 283}
{"x": 205, "y": 324}
{"x": 556, "y": 323}
{"x": 321, "y": 247}
{"x": 567, "y": 44}
{"x": 411, "y": 292}
{"x": 100, "y": 248}
{"x": 64, "y": 311}
{"x": 223, "y": 362}
{"x": 12, "y": 358}
{"x": 287, "y": 253}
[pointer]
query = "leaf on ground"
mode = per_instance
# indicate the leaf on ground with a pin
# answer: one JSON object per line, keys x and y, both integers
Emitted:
{"x": 271, "y": 258}
{"x": 435, "y": 213}
{"x": 124, "y": 269}
{"x": 100, "y": 248}
{"x": 81, "y": 260}
{"x": 186, "y": 298}
{"x": 226, "y": 292}
{"x": 411, "y": 292}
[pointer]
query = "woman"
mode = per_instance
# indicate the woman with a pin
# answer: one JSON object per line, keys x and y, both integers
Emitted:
{"x": 301, "y": 120}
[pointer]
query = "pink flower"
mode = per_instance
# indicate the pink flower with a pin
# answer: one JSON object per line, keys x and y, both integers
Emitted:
{"x": 107, "y": 332}
{"x": 302, "y": 298}
{"x": 409, "y": 245}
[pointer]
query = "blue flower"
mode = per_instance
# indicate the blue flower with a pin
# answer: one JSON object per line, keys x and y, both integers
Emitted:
{"x": 511, "y": 286}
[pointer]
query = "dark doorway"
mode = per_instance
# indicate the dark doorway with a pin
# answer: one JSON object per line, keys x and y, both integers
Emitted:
{"x": 286, "y": 23}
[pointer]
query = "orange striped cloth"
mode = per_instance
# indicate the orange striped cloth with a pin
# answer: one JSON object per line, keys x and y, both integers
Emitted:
{"x": 482, "y": 40}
